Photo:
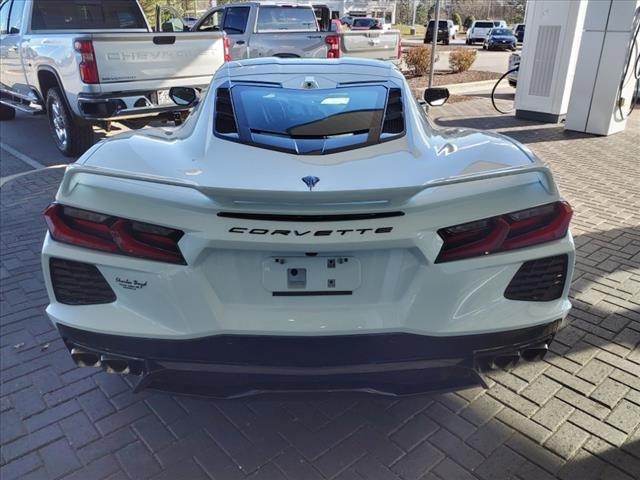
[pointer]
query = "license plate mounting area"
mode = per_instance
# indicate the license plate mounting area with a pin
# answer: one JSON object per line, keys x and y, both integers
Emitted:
{"x": 311, "y": 275}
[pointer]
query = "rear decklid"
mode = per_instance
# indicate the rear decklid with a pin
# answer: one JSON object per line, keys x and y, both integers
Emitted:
{"x": 373, "y": 44}
{"x": 482, "y": 29}
{"x": 139, "y": 57}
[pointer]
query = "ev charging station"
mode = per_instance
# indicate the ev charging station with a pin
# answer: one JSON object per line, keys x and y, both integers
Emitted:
{"x": 579, "y": 63}
{"x": 605, "y": 77}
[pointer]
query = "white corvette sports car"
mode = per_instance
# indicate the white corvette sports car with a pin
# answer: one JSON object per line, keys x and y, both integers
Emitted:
{"x": 307, "y": 228}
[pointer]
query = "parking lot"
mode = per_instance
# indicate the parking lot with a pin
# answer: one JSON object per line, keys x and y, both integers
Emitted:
{"x": 487, "y": 61}
{"x": 575, "y": 415}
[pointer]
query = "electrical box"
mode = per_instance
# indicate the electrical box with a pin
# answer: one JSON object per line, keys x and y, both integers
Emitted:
{"x": 548, "y": 58}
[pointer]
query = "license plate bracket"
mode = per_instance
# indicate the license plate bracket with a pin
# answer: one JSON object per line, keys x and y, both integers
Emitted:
{"x": 311, "y": 274}
{"x": 164, "y": 98}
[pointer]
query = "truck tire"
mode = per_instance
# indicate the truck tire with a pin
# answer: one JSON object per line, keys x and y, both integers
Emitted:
{"x": 7, "y": 113}
{"x": 71, "y": 137}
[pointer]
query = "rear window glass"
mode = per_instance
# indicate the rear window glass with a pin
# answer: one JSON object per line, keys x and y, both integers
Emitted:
{"x": 363, "y": 22}
{"x": 483, "y": 25}
{"x": 86, "y": 15}
{"x": 286, "y": 18}
{"x": 309, "y": 121}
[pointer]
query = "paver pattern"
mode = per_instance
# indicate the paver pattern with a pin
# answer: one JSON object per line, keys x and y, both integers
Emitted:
{"x": 575, "y": 415}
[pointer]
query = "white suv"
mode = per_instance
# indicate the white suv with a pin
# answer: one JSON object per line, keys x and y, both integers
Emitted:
{"x": 481, "y": 28}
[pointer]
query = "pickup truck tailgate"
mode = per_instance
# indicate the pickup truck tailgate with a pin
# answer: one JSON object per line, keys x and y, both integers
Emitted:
{"x": 374, "y": 44}
{"x": 155, "y": 56}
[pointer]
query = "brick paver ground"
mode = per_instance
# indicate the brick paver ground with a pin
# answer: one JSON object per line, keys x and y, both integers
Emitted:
{"x": 573, "y": 416}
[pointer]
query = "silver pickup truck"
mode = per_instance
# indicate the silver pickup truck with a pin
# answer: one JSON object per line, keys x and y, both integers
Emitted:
{"x": 261, "y": 29}
{"x": 87, "y": 62}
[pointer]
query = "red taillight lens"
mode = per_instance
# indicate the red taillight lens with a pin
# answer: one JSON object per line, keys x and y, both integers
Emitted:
{"x": 399, "y": 52}
{"x": 112, "y": 234}
{"x": 513, "y": 230}
{"x": 334, "y": 46}
{"x": 88, "y": 65}
{"x": 227, "y": 49}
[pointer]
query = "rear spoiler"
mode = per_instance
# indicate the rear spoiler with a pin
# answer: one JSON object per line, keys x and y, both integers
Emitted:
{"x": 230, "y": 196}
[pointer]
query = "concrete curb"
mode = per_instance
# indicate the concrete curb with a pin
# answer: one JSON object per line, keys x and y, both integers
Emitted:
{"x": 458, "y": 88}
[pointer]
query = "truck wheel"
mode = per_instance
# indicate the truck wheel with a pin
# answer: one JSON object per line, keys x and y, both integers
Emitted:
{"x": 7, "y": 113}
{"x": 72, "y": 138}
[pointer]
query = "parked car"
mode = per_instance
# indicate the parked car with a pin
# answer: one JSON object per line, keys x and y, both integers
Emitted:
{"x": 479, "y": 31}
{"x": 366, "y": 23}
{"x": 307, "y": 228}
{"x": 519, "y": 32}
{"x": 500, "y": 39}
{"x": 453, "y": 28}
{"x": 87, "y": 66}
{"x": 445, "y": 31}
{"x": 291, "y": 31}
{"x": 190, "y": 21}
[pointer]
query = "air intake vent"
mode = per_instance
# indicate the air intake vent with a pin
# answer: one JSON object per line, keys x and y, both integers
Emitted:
{"x": 539, "y": 280}
{"x": 225, "y": 120}
{"x": 77, "y": 283}
{"x": 394, "y": 115}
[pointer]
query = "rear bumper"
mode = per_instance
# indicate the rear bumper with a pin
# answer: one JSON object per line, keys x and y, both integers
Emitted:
{"x": 502, "y": 46}
{"x": 120, "y": 108}
{"x": 235, "y": 365}
{"x": 442, "y": 36}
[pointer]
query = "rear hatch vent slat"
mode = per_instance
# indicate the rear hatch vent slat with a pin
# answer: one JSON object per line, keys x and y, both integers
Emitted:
{"x": 393, "y": 123}
{"x": 225, "y": 119}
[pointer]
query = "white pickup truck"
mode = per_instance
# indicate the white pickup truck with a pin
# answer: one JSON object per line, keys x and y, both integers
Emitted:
{"x": 268, "y": 29}
{"x": 87, "y": 62}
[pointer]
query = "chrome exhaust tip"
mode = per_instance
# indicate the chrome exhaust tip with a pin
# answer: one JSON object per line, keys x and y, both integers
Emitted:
{"x": 84, "y": 358}
{"x": 506, "y": 361}
{"x": 536, "y": 352}
{"x": 118, "y": 366}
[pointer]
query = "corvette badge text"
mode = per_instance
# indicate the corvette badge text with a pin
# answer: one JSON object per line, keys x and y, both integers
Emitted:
{"x": 311, "y": 233}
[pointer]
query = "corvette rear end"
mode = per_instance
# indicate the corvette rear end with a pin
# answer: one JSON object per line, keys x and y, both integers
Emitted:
{"x": 307, "y": 228}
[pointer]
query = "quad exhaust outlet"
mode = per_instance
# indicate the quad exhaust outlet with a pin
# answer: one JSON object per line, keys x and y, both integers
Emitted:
{"x": 509, "y": 358}
{"x": 84, "y": 358}
{"x": 109, "y": 363}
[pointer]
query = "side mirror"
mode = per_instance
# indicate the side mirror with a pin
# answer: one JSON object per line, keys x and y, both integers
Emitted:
{"x": 184, "y": 96}
{"x": 436, "y": 96}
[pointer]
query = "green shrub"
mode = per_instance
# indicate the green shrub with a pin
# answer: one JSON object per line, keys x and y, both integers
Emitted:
{"x": 419, "y": 59}
{"x": 469, "y": 21}
{"x": 461, "y": 60}
{"x": 456, "y": 19}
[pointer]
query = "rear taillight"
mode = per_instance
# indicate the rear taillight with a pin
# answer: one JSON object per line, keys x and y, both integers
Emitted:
{"x": 520, "y": 229}
{"x": 113, "y": 234}
{"x": 88, "y": 65}
{"x": 399, "y": 52}
{"x": 227, "y": 49}
{"x": 333, "y": 41}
